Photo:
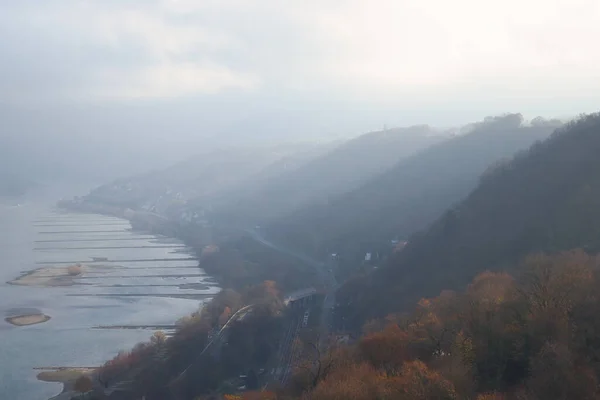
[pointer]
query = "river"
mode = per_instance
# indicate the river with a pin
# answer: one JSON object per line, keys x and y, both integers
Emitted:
{"x": 32, "y": 235}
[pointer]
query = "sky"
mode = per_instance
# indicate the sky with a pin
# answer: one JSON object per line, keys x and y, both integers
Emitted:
{"x": 167, "y": 78}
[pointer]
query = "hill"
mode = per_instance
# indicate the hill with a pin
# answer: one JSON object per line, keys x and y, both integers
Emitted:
{"x": 546, "y": 199}
{"x": 203, "y": 176}
{"x": 412, "y": 194}
{"x": 338, "y": 171}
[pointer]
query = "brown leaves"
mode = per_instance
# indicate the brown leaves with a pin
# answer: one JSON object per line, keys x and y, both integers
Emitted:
{"x": 502, "y": 337}
{"x": 357, "y": 382}
{"x": 363, "y": 382}
{"x": 418, "y": 382}
{"x": 556, "y": 283}
{"x": 554, "y": 375}
{"x": 387, "y": 349}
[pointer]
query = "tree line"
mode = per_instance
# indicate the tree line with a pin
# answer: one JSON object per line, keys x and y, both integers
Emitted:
{"x": 545, "y": 199}
{"x": 526, "y": 338}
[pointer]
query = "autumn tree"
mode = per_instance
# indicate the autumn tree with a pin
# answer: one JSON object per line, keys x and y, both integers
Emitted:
{"x": 387, "y": 349}
{"x": 552, "y": 286}
{"x": 357, "y": 382}
{"x": 224, "y": 316}
{"x": 83, "y": 384}
{"x": 417, "y": 382}
{"x": 555, "y": 375}
{"x": 312, "y": 363}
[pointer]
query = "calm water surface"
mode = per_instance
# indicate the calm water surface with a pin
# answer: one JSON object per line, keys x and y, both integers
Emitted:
{"x": 34, "y": 235}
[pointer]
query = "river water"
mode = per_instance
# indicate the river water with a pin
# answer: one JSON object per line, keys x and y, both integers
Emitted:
{"x": 148, "y": 292}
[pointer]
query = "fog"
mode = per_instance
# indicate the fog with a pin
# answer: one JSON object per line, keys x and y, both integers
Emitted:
{"x": 100, "y": 89}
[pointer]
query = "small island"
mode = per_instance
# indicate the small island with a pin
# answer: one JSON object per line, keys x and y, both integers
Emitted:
{"x": 28, "y": 319}
{"x": 51, "y": 276}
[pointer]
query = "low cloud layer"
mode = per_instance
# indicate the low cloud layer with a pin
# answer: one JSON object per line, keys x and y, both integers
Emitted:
{"x": 188, "y": 71}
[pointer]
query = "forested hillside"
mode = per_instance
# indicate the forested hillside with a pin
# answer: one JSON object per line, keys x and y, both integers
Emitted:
{"x": 338, "y": 171}
{"x": 412, "y": 194}
{"x": 529, "y": 337}
{"x": 546, "y": 199}
{"x": 250, "y": 185}
{"x": 202, "y": 177}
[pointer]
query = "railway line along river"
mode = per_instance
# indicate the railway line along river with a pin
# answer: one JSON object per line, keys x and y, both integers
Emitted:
{"x": 77, "y": 288}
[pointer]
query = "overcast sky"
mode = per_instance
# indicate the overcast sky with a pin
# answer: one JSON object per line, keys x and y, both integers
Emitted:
{"x": 131, "y": 71}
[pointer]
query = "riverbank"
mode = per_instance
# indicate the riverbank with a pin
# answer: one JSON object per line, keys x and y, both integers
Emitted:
{"x": 67, "y": 376}
{"x": 239, "y": 261}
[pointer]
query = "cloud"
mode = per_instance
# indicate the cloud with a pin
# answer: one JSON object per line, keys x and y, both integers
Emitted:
{"x": 170, "y": 79}
{"x": 384, "y": 49}
{"x": 98, "y": 50}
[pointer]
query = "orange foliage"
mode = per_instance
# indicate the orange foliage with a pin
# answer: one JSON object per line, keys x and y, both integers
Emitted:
{"x": 492, "y": 288}
{"x": 357, "y": 382}
{"x": 386, "y": 349}
{"x": 224, "y": 317}
{"x": 257, "y": 395}
{"x": 271, "y": 288}
{"x": 418, "y": 382}
{"x": 363, "y": 382}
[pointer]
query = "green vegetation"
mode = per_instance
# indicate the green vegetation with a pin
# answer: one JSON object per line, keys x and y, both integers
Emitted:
{"x": 410, "y": 196}
{"x": 546, "y": 199}
{"x": 244, "y": 261}
{"x": 517, "y": 312}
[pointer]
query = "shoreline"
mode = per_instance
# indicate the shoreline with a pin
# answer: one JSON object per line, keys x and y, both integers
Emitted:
{"x": 53, "y": 276}
{"x": 67, "y": 376}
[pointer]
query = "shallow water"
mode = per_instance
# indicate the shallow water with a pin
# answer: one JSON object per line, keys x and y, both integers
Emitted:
{"x": 129, "y": 293}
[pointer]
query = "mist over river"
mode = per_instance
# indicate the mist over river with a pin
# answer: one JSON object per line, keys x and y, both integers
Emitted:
{"x": 160, "y": 283}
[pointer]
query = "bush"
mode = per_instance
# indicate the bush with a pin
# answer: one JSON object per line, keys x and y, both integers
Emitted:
{"x": 83, "y": 384}
{"x": 74, "y": 270}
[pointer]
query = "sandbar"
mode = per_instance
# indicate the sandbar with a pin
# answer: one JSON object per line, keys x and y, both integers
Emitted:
{"x": 54, "y": 276}
{"x": 63, "y": 374}
{"x": 24, "y": 320}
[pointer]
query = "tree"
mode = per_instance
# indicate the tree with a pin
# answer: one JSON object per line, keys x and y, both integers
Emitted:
{"x": 224, "y": 317}
{"x": 158, "y": 338}
{"x": 554, "y": 375}
{"x": 357, "y": 382}
{"x": 83, "y": 384}
{"x": 417, "y": 382}
{"x": 387, "y": 349}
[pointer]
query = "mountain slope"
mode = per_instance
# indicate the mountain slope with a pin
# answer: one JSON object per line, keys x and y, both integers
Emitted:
{"x": 203, "y": 176}
{"x": 413, "y": 193}
{"x": 340, "y": 170}
{"x": 545, "y": 199}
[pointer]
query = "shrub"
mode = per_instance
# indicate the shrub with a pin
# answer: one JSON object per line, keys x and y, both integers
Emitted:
{"x": 83, "y": 384}
{"x": 74, "y": 270}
